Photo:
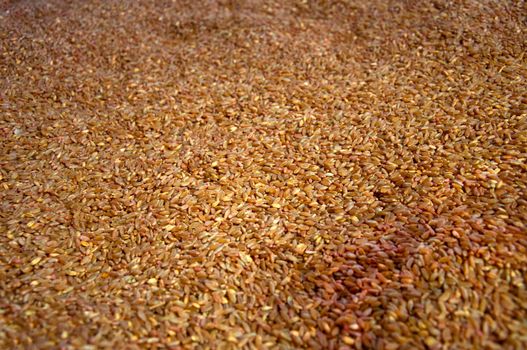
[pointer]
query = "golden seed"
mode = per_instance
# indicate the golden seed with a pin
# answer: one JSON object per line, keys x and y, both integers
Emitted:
{"x": 36, "y": 260}
{"x": 263, "y": 174}
{"x": 348, "y": 341}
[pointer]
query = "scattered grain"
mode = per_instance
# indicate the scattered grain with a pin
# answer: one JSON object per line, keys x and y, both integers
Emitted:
{"x": 248, "y": 174}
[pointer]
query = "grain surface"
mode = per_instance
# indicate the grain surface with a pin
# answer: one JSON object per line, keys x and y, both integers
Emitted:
{"x": 263, "y": 174}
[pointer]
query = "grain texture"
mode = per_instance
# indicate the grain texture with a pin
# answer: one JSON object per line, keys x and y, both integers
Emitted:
{"x": 263, "y": 174}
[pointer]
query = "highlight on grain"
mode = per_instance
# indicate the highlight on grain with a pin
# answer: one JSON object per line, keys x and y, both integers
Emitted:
{"x": 301, "y": 174}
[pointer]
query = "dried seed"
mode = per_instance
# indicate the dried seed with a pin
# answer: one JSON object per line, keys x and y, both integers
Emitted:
{"x": 36, "y": 260}
{"x": 300, "y": 248}
{"x": 348, "y": 341}
{"x": 303, "y": 174}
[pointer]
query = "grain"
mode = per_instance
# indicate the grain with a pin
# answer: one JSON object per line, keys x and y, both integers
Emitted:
{"x": 263, "y": 174}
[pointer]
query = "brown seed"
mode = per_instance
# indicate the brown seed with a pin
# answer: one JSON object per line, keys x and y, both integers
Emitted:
{"x": 253, "y": 174}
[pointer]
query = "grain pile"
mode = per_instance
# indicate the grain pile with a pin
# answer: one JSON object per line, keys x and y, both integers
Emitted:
{"x": 250, "y": 174}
